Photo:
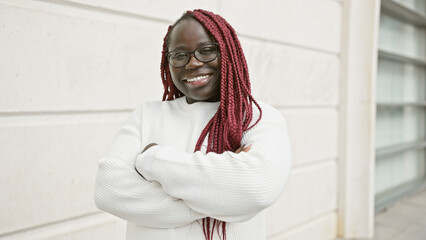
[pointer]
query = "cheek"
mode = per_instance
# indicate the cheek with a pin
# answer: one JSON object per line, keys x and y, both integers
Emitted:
{"x": 218, "y": 63}
{"x": 174, "y": 74}
{"x": 218, "y": 66}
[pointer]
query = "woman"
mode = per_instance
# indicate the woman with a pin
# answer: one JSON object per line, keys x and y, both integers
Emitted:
{"x": 203, "y": 163}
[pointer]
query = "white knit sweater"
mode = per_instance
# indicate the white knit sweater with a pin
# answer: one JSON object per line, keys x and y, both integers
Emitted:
{"x": 182, "y": 187}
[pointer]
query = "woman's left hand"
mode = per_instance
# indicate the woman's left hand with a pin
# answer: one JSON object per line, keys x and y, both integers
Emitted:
{"x": 243, "y": 148}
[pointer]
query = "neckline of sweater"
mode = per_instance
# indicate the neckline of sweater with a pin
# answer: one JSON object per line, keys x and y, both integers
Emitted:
{"x": 206, "y": 106}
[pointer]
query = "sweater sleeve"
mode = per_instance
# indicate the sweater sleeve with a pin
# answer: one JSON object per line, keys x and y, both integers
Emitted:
{"x": 121, "y": 191}
{"x": 230, "y": 187}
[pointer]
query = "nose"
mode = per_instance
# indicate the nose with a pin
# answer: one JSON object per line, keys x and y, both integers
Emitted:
{"x": 193, "y": 63}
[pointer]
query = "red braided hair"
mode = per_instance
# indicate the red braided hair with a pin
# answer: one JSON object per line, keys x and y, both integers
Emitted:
{"x": 235, "y": 112}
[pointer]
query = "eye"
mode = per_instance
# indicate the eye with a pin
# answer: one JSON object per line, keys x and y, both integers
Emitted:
{"x": 178, "y": 56}
{"x": 207, "y": 50}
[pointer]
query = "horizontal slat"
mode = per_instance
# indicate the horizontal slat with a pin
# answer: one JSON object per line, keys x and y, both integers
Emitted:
{"x": 391, "y": 196}
{"x": 401, "y": 12}
{"x": 52, "y": 167}
{"x": 401, "y": 58}
{"x": 300, "y": 201}
{"x": 401, "y": 104}
{"x": 398, "y": 148}
{"x": 21, "y": 119}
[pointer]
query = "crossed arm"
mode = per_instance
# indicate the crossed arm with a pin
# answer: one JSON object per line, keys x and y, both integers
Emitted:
{"x": 180, "y": 188}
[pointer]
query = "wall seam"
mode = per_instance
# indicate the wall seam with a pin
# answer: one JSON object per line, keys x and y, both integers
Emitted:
{"x": 91, "y": 8}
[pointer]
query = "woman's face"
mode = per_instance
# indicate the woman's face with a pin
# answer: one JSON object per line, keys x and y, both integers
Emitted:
{"x": 204, "y": 78}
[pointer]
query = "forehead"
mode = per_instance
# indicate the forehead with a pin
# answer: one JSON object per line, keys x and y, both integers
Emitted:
{"x": 188, "y": 34}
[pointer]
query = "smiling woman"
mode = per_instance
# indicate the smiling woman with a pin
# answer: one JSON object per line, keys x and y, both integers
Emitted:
{"x": 202, "y": 162}
{"x": 196, "y": 73}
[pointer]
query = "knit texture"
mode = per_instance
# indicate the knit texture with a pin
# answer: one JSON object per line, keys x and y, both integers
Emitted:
{"x": 180, "y": 187}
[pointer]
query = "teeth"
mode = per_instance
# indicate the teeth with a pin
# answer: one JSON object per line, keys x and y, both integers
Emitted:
{"x": 196, "y": 78}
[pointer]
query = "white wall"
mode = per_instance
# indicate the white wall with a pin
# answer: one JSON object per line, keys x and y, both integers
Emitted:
{"x": 71, "y": 70}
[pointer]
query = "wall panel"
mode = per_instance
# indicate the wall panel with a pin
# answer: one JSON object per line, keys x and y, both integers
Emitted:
{"x": 309, "y": 23}
{"x": 313, "y": 133}
{"x": 290, "y": 76}
{"x": 301, "y": 201}
{"x": 48, "y": 171}
{"x": 77, "y": 61}
{"x": 322, "y": 228}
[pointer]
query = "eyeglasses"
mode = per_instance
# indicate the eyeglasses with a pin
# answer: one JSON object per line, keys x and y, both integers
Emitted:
{"x": 205, "y": 53}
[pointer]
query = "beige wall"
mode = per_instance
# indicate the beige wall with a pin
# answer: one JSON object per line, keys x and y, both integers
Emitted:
{"x": 71, "y": 70}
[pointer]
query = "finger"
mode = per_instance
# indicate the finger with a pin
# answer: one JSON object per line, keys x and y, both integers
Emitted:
{"x": 247, "y": 148}
{"x": 240, "y": 149}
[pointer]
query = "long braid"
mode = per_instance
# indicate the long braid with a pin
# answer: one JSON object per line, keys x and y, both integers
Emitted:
{"x": 235, "y": 111}
{"x": 170, "y": 90}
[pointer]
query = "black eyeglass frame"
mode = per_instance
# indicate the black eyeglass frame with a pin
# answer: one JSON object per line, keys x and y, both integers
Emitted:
{"x": 193, "y": 53}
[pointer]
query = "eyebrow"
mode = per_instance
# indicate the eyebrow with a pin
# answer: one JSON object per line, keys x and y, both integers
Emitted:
{"x": 200, "y": 44}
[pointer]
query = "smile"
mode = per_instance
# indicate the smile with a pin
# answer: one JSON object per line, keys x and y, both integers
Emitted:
{"x": 198, "y": 81}
{"x": 199, "y": 78}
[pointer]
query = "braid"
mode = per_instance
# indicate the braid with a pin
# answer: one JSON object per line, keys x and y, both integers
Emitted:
{"x": 235, "y": 112}
{"x": 170, "y": 90}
